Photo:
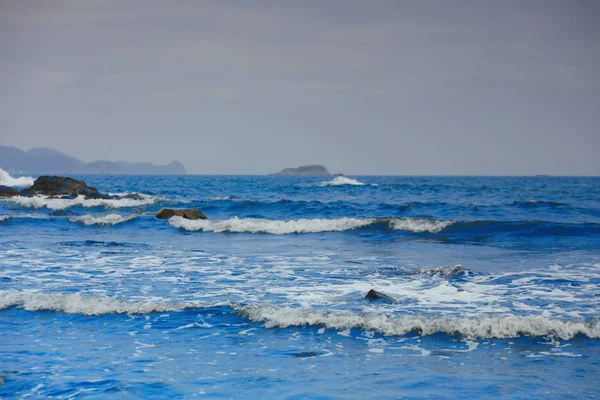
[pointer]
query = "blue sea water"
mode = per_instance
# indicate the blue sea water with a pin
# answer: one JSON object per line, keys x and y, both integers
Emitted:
{"x": 100, "y": 299}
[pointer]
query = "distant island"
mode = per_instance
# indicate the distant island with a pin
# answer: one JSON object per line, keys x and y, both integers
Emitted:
{"x": 43, "y": 160}
{"x": 307, "y": 170}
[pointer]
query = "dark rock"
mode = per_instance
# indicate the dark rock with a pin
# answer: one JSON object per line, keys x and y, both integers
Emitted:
{"x": 305, "y": 354}
{"x": 374, "y": 294}
{"x": 55, "y": 186}
{"x": 6, "y": 191}
{"x": 307, "y": 170}
{"x": 187, "y": 213}
{"x": 133, "y": 196}
{"x": 457, "y": 268}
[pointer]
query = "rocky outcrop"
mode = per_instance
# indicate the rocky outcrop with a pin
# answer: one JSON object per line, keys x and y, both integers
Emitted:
{"x": 374, "y": 294}
{"x": 59, "y": 186}
{"x": 307, "y": 170}
{"x": 187, "y": 213}
{"x": 6, "y": 191}
{"x": 62, "y": 187}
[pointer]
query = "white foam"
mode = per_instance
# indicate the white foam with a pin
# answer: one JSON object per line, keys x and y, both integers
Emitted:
{"x": 4, "y": 217}
{"x": 7, "y": 180}
{"x": 88, "y": 305}
{"x": 315, "y": 225}
{"x": 254, "y": 225}
{"x": 497, "y": 326}
{"x": 342, "y": 180}
{"x": 419, "y": 225}
{"x": 110, "y": 219}
{"x": 61, "y": 204}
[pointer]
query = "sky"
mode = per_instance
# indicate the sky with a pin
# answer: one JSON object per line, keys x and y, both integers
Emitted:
{"x": 481, "y": 87}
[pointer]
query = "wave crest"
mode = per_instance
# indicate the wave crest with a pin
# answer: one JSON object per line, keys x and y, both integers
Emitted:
{"x": 255, "y": 225}
{"x": 7, "y": 180}
{"x": 484, "y": 327}
{"x": 316, "y": 225}
{"x": 342, "y": 180}
{"x": 110, "y": 219}
{"x": 419, "y": 225}
{"x": 61, "y": 204}
{"x": 84, "y": 304}
{"x": 497, "y": 326}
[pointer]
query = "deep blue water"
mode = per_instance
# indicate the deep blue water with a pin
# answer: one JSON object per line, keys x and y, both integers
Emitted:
{"x": 266, "y": 298}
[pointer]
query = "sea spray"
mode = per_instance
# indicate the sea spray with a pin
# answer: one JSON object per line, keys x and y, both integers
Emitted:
{"x": 7, "y": 180}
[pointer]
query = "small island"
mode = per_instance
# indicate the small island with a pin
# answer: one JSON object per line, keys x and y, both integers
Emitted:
{"x": 307, "y": 170}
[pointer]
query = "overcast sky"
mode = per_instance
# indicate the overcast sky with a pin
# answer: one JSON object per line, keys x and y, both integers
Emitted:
{"x": 363, "y": 87}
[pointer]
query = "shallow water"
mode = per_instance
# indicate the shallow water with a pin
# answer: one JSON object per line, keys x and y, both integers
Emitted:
{"x": 267, "y": 296}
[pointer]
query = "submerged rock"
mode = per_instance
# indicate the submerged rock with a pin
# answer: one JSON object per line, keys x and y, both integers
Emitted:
{"x": 6, "y": 191}
{"x": 187, "y": 213}
{"x": 374, "y": 294}
{"x": 133, "y": 196}
{"x": 60, "y": 186}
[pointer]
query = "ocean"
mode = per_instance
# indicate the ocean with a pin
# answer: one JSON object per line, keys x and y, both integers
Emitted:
{"x": 495, "y": 282}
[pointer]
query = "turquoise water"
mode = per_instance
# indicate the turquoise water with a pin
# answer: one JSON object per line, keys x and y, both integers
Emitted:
{"x": 266, "y": 298}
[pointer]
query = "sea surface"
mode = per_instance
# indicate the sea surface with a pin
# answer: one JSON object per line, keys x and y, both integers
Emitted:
{"x": 496, "y": 282}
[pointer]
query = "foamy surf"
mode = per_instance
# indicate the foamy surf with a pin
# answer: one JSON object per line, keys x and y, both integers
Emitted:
{"x": 7, "y": 180}
{"x": 483, "y": 327}
{"x": 419, "y": 225}
{"x": 276, "y": 227}
{"x": 110, "y": 219}
{"x": 87, "y": 305}
{"x": 4, "y": 217}
{"x": 272, "y": 316}
{"x": 342, "y": 180}
{"x": 61, "y": 204}
{"x": 315, "y": 225}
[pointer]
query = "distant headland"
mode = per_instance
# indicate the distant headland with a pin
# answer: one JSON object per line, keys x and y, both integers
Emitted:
{"x": 307, "y": 170}
{"x": 43, "y": 160}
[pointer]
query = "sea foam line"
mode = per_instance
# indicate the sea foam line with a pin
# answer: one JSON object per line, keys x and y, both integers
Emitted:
{"x": 7, "y": 180}
{"x": 61, "y": 204}
{"x": 485, "y": 326}
{"x": 496, "y": 326}
{"x": 277, "y": 227}
{"x": 78, "y": 303}
{"x": 110, "y": 219}
{"x": 316, "y": 225}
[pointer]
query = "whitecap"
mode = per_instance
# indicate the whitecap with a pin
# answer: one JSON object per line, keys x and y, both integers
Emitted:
{"x": 61, "y": 204}
{"x": 4, "y": 217}
{"x": 492, "y": 326}
{"x": 419, "y": 225}
{"x": 342, "y": 180}
{"x": 7, "y": 180}
{"x": 78, "y": 303}
{"x": 278, "y": 227}
{"x": 315, "y": 225}
{"x": 110, "y": 219}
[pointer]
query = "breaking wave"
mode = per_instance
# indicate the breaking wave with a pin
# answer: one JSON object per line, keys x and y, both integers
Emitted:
{"x": 484, "y": 326}
{"x": 255, "y": 225}
{"x": 342, "y": 180}
{"x": 87, "y": 305}
{"x": 495, "y": 326}
{"x": 316, "y": 225}
{"x": 419, "y": 225}
{"x": 110, "y": 219}
{"x": 7, "y": 180}
{"x": 4, "y": 217}
{"x": 61, "y": 204}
